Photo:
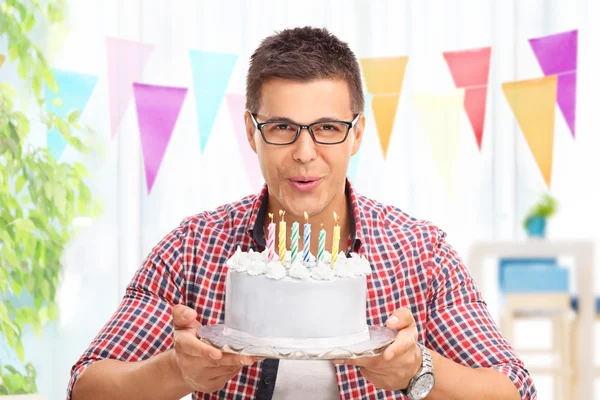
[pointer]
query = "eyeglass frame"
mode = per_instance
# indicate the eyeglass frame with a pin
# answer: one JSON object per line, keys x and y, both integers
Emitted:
{"x": 259, "y": 126}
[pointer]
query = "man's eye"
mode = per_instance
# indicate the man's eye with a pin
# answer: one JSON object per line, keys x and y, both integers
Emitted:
{"x": 283, "y": 127}
{"x": 328, "y": 127}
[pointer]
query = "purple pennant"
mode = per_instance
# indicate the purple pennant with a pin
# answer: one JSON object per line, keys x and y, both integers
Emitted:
{"x": 157, "y": 108}
{"x": 557, "y": 55}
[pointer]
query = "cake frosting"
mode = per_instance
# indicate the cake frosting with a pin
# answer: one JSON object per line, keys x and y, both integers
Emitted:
{"x": 274, "y": 303}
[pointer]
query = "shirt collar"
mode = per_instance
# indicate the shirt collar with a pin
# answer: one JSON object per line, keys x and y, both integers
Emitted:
{"x": 258, "y": 212}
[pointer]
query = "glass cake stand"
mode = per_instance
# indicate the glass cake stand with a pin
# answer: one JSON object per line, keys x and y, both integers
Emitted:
{"x": 380, "y": 338}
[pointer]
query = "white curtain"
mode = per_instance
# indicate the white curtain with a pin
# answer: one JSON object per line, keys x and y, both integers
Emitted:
{"x": 493, "y": 188}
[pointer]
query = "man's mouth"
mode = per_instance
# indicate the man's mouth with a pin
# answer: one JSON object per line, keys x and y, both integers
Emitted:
{"x": 305, "y": 183}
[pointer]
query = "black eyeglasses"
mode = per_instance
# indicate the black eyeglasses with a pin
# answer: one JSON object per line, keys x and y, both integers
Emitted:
{"x": 284, "y": 132}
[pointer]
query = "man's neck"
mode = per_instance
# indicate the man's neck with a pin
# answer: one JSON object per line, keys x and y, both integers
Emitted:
{"x": 324, "y": 218}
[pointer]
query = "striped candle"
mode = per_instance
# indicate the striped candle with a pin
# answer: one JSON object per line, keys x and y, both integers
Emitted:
{"x": 336, "y": 241}
{"x": 271, "y": 239}
{"x": 306, "y": 241}
{"x": 295, "y": 238}
{"x": 321, "y": 252}
{"x": 282, "y": 232}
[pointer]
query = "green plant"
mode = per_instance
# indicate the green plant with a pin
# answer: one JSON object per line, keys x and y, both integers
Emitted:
{"x": 39, "y": 197}
{"x": 545, "y": 208}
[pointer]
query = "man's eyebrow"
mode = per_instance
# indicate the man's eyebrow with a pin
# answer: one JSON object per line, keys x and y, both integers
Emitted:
{"x": 290, "y": 121}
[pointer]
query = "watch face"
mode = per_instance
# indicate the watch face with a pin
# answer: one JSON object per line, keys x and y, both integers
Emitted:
{"x": 422, "y": 387}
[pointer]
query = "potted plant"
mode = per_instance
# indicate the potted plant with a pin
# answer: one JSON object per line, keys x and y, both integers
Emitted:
{"x": 39, "y": 196}
{"x": 535, "y": 221}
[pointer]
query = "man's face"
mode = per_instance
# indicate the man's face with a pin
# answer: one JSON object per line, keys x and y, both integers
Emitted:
{"x": 305, "y": 176}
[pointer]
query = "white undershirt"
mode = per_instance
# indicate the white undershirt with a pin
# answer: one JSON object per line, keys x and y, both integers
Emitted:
{"x": 300, "y": 379}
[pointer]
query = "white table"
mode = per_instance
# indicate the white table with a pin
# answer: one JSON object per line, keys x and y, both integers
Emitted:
{"x": 583, "y": 252}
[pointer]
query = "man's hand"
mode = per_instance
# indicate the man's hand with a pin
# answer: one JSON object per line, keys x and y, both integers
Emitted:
{"x": 203, "y": 367}
{"x": 394, "y": 369}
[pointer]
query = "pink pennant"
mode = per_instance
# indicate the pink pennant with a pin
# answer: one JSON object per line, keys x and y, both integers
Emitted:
{"x": 157, "y": 109}
{"x": 469, "y": 67}
{"x": 475, "y": 100}
{"x": 126, "y": 62}
{"x": 236, "y": 103}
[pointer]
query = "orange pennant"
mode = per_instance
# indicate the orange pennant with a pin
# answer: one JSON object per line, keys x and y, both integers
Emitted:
{"x": 2, "y": 58}
{"x": 533, "y": 102}
{"x": 384, "y": 111}
{"x": 384, "y": 75}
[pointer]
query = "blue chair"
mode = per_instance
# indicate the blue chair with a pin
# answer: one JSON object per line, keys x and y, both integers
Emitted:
{"x": 537, "y": 287}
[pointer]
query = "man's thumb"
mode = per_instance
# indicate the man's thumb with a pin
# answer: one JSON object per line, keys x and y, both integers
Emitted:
{"x": 184, "y": 317}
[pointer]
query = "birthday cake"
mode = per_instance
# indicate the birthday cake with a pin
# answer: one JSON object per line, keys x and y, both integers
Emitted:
{"x": 299, "y": 305}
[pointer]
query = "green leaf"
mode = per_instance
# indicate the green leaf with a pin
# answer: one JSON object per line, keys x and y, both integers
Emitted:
{"x": 10, "y": 256}
{"x": 73, "y": 116}
{"x": 19, "y": 184}
{"x": 57, "y": 102}
{"x": 53, "y": 311}
{"x": 16, "y": 287}
{"x": 60, "y": 197}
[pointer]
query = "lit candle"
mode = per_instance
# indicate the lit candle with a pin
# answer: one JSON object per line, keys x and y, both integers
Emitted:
{"x": 321, "y": 252}
{"x": 282, "y": 232}
{"x": 295, "y": 238}
{"x": 306, "y": 241}
{"x": 336, "y": 240}
{"x": 271, "y": 239}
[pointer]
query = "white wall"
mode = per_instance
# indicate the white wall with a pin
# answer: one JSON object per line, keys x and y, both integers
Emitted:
{"x": 494, "y": 188}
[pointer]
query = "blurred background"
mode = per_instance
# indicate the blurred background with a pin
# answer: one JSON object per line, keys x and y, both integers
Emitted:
{"x": 120, "y": 118}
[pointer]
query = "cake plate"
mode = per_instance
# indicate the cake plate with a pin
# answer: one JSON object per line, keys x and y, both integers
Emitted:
{"x": 380, "y": 338}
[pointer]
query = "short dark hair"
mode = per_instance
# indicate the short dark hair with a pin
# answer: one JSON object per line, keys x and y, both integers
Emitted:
{"x": 303, "y": 54}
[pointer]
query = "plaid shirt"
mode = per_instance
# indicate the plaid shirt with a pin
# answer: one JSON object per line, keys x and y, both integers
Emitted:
{"x": 413, "y": 267}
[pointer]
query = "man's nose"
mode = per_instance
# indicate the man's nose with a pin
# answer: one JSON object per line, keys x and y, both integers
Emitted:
{"x": 305, "y": 147}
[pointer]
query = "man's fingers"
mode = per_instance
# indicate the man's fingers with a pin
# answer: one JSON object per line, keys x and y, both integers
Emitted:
{"x": 400, "y": 319}
{"x": 404, "y": 340}
{"x": 367, "y": 362}
{"x": 184, "y": 317}
{"x": 188, "y": 343}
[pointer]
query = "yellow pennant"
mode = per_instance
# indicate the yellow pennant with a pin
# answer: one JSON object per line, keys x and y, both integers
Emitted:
{"x": 533, "y": 103}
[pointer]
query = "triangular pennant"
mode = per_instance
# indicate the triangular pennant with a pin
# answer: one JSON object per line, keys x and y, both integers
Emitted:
{"x": 384, "y": 112}
{"x": 384, "y": 75}
{"x": 157, "y": 110}
{"x": 237, "y": 107}
{"x": 557, "y": 55}
{"x": 126, "y": 62}
{"x": 57, "y": 34}
{"x": 439, "y": 117}
{"x": 475, "y": 100}
{"x": 565, "y": 96}
{"x": 354, "y": 160}
{"x": 2, "y": 58}
{"x": 532, "y": 102}
{"x": 74, "y": 91}
{"x": 469, "y": 67}
{"x": 211, "y": 73}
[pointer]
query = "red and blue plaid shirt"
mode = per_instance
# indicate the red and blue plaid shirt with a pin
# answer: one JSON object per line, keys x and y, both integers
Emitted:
{"x": 413, "y": 267}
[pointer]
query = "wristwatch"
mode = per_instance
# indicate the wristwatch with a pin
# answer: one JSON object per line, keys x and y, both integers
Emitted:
{"x": 422, "y": 383}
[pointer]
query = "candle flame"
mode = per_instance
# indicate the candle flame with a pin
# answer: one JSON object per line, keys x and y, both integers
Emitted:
{"x": 305, "y": 215}
{"x": 336, "y": 217}
{"x": 271, "y": 216}
{"x": 281, "y": 214}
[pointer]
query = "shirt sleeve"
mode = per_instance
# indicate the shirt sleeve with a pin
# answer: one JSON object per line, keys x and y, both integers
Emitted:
{"x": 142, "y": 325}
{"x": 459, "y": 325}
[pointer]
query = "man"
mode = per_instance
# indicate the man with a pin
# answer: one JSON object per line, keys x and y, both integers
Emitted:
{"x": 304, "y": 120}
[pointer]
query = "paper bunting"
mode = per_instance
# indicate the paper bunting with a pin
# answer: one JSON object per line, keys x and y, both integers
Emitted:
{"x": 55, "y": 39}
{"x": 557, "y": 55}
{"x": 74, "y": 91}
{"x": 2, "y": 58}
{"x": 470, "y": 70}
{"x": 439, "y": 117}
{"x": 237, "y": 107}
{"x": 126, "y": 62}
{"x": 384, "y": 78}
{"x": 211, "y": 73}
{"x": 157, "y": 110}
{"x": 532, "y": 102}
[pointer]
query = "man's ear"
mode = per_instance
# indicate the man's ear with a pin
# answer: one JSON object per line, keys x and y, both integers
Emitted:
{"x": 358, "y": 129}
{"x": 250, "y": 128}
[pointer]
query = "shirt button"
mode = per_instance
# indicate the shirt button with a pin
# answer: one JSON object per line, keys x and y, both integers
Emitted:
{"x": 268, "y": 380}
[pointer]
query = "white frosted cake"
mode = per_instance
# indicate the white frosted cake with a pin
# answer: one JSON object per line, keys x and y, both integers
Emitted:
{"x": 296, "y": 307}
